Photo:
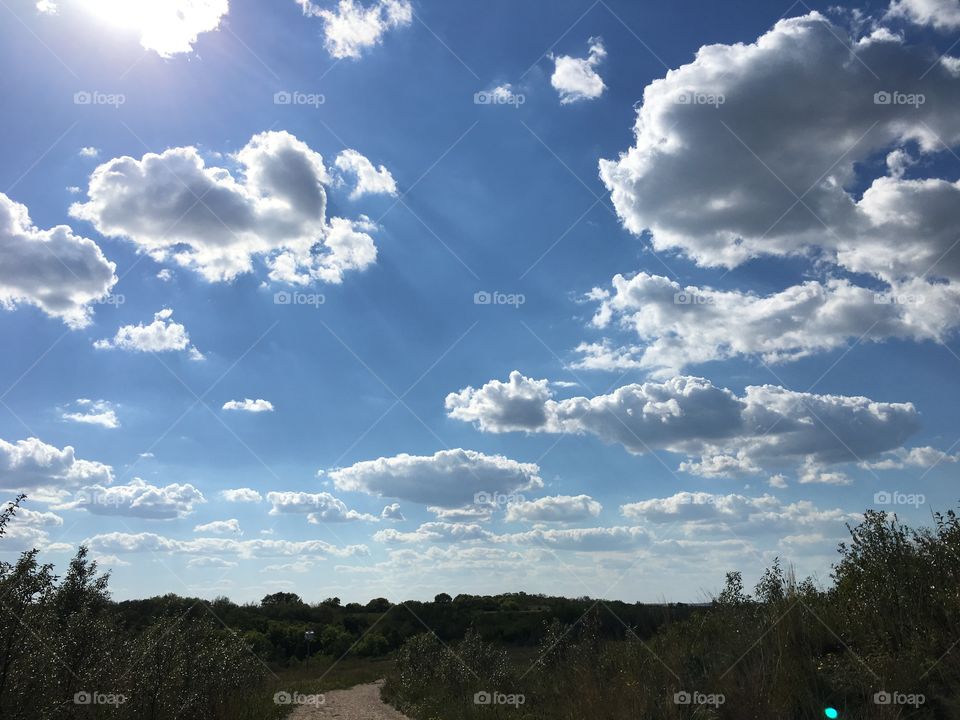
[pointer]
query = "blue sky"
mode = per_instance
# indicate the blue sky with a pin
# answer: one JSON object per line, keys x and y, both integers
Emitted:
{"x": 730, "y": 332}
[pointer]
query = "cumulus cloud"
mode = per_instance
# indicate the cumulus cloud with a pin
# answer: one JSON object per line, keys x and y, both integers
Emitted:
{"x": 435, "y": 532}
{"x": 241, "y": 495}
{"x": 47, "y": 7}
{"x": 800, "y": 113}
{"x": 392, "y": 512}
{"x": 92, "y": 412}
{"x": 918, "y": 457}
{"x": 368, "y": 180}
{"x": 697, "y": 512}
{"x": 220, "y": 527}
{"x": 319, "y": 507}
{"x": 576, "y": 79}
{"x": 29, "y": 529}
{"x": 448, "y": 478}
{"x": 247, "y": 405}
{"x": 518, "y": 404}
{"x": 467, "y": 514}
{"x": 581, "y": 539}
{"x": 558, "y": 508}
{"x": 137, "y": 499}
{"x": 54, "y": 270}
{"x": 33, "y": 464}
{"x": 162, "y": 335}
{"x": 173, "y": 206}
{"x": 768, "y": 426}
{"x": 89, "y": 152}
{"x": 117, "y": 542}
{"x": 352, "y": 28}
{"x": 681, "y": 325}
{"x": 213, "y": 562}
{"x": 941, "y": 14}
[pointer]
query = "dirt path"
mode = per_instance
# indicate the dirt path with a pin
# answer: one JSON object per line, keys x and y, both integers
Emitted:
{"x": 361, "y": 702}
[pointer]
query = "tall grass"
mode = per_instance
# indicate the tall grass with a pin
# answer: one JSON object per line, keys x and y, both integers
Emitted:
{"x": 887, "y": 629}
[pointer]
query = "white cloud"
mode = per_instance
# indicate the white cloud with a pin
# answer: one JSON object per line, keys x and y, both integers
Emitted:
{"x": 468, "y": 514}
{"x": 173, "y": 206}
{"x": 680, "y": 325}
{"x": 697, "y": 512}
{"x": 165, "y": 274}
{"x": 89, "y": 152}
{"x": 300, "y": 566}
{"x": 392, "y": 512}
{"x": 46, "y": 7}
{"x": 137, "y": 499}
{"x": 162, "y": 335}
{"x": 518, "y": 404}
{"x": 721, "y": 466}
{"x": 435, "y": 532}
{"x": 799, "y": 118}
{"x": 769, "y": 426}
{"x": 581, "y": 539}
{"x": 369, "y": 180}
{"x": 33, "y": 464}
{"x": 557, "y": 508}
{"x": 168, "y": 28}
{"x": 352, "y": 28}
{"x": 448, "y": 478}
{"x": 319, "y": 507}
{"x": 215, "y": 562}
{"x": 241, "y": 495}
{"x": 247, "y": 405}
{"x": 777, "y": 481}
{"x": 576, "y": 78}
{"x": 116, "y": 542}
{"x": 941, "y": 14}
{"x": 54, "y": 270}
{"x": 918, "y": 457}
{"x": 813, "y": 472}
{"x": 93, "y": 412}
{"x": 220, "y": 527}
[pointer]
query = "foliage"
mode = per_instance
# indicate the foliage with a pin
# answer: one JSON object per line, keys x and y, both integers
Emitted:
{"x": 888, "y": 627}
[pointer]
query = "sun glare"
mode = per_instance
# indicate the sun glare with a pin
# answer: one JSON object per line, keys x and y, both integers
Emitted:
{"x": 169, "y": 27}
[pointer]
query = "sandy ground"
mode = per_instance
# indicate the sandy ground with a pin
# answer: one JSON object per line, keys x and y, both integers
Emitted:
{"x": 361, "y": 702}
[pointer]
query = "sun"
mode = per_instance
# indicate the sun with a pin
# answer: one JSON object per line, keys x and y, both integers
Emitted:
{"x": 168, "y": 27}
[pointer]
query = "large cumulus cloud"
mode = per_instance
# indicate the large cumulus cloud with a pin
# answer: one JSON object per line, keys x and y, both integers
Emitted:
{"x": 767, "y": 427}
{"x": 768, "y": 170}
{"x": 677, "y": 325}
{"x": 55, "y": 270}
{"x": 448, "y": 478}
{"x": 174, "y": 206}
